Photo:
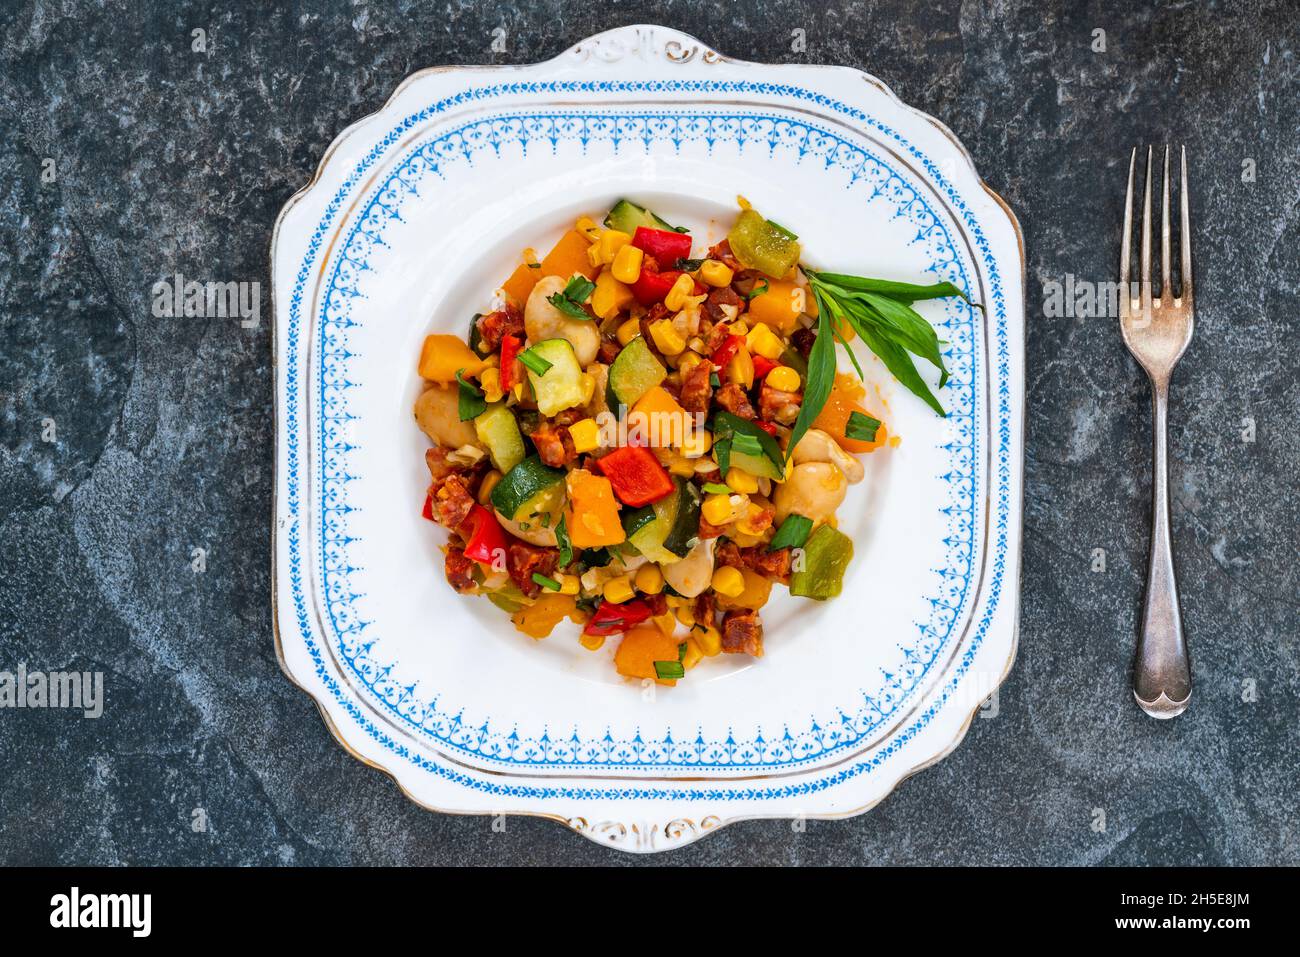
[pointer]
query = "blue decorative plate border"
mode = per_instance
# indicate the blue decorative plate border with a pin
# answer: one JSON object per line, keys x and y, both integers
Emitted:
{"x": 1002, "y": 463}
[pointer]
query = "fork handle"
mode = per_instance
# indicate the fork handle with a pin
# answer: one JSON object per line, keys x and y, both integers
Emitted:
{"x": 1162, "y": 674}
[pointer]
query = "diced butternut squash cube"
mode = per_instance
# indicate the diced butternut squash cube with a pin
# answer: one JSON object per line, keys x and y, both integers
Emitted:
{"x": 779, "y": 307}
{"x": 592, "y": 515}
{"x": 641, "y": 648}
{"x": 443, "y": 355}
{"x": 661, "y": 418}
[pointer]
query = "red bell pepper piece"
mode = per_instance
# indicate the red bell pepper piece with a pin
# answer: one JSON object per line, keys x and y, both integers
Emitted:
{"x": 762, "y": 366}
{"x": 427, "y": 511}
{"x": 510, "y": 346}
{"x": 487, "y": 539}
{"x": 724, "y": 353}
{"x": 768, "y": 427}
{"x": 651, "y": 287}
{"x": 609, "y": 618}
{"x": 636, "y": 475}
{"x": 667, "y": 247}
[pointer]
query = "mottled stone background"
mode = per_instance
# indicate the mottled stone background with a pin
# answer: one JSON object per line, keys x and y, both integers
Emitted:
{"x": 168, "y": 160}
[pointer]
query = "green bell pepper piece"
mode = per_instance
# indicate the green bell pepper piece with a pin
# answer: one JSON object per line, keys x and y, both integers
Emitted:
{"x": 826, "y": 555}
{"x": 760, "y": 244}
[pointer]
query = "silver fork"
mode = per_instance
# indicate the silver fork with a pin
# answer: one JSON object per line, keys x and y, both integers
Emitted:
{"x": 1157, "y": 332}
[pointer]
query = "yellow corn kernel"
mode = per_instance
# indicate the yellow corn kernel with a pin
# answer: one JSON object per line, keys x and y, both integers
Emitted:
{"x": 628, "y": 331}
{"x": 593, "y": 254}
{"x": 681, "y": 466}
{"x": 530, "y": 258}
{"x": 747, "y": 524}
{"x": 709, "y": 639}
{"x": 686, "y": 614}
{"x": 667, "y": 622}
{"x": 588, "y": 227}
{"x": 698, "y": 345}
{"x": 728, "y": 581}
{"x": 487, "y": 485}
{"x": 742, "y": 481}
{"x": 618, "y": 590}
{"x": 677, "y": 601}
{"x": 717, "y": 509}
{"x": 697, "y": 444}
{"x": 610, "y": 295}
{"x": 681, "y": 291}
{"x": 692, "y": 655}
{"x": 784, "y": 378}
{"x": 764, "y": 342}
{"x": 569, "y": 584}
{"x": 738, "y": 327}
{"x": 627, "y": 264}
{"x": 490, "y": 381}
{"x": 741, "y": 368}
{"x": 593, "y": 642}
{"x": 715, "y": 273}
{"x": 667, "y": 338}
{"x": 649, "y": 579}
{"x": 688, "y": 361}
{"x": 585, "y": 435}
{"x": 588, "y": 384}
{"x": 611, "y": 241}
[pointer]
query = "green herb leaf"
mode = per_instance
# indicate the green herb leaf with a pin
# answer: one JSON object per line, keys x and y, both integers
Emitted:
{"x": 722, "y": 453}
{"x": 469, "y": 402}
{"x": 861, "y": 427}
{"x": 566, "y": 544}
{"x": 688, "y": 265}
{"x": 746, "y": 444}
{"x": 821, "y": 376}
{"x": 900, "y": 291}
{"x": 534, "y": 265}
{"x": 888, "y": 326}
{"x": 757, "y": 290}
{"x": 781, "y": 229}
{"x": 569, "y": 301}
{"x": 792, "y": 533}
{"x": 535, "y": 362}
{"x": 545, "y": 582}
{"x": 715, "y": 488}
{"x": 669, "y": 670}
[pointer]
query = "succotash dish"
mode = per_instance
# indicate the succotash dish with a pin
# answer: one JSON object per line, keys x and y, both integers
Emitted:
{"x": 644, "y": 440}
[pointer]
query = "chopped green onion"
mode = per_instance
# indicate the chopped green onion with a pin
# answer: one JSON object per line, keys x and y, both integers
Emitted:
{"x": 861, "y": 427}
{"x": 470, "y": 403}
{"x": 566, "y": 544}
{"x": 781, "y": 229}
{"x": 792, "y": 533}
{"x": 669, "y": 670}
{"x": 535, "y": 362}
{"x": 545, "y": 582}
{"x": 534, "y": 265}
{"x": 714, "y": 488}
{"x": 758, "y": 290}
{"x": 715, "y": 381}
{"x": 575, "y": 293}
{"x": 688, "y": 265}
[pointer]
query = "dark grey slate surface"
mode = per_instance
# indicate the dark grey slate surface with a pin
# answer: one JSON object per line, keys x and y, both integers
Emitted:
{"x": 168, "y": 160}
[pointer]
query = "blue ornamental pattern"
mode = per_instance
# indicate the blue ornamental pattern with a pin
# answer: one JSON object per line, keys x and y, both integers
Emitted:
{"x": 963, "y": 478}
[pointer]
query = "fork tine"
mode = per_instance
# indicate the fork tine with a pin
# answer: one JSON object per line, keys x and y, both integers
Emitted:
{"x": 1166, "y": 267}
{"x": 1126, "y": 242}
{"x": 1185, "y": 237}
{"x": 1144, "y": 279}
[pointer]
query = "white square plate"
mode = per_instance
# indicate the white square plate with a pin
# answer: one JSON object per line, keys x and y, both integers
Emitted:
{"x": 414, "y": 216}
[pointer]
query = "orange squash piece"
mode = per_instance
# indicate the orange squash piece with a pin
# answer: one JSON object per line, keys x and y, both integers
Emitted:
{"x": 640, "y": 649}
{"x": 834, "y": 416}
{"x": 757, "y": 591}
{"x": 538, "y": 619}
{"x": 591, "y": 517}
{"x": 778, "y": 307}
{"x": 442, "y": 355}
{"x": 568, "y": 256}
